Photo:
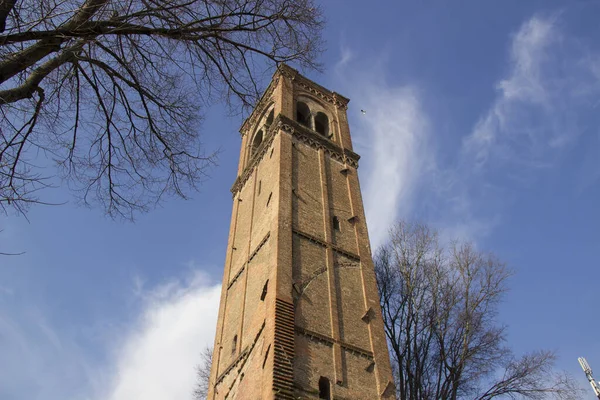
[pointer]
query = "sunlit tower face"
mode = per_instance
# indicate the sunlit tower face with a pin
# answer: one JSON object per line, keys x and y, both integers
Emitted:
{"x": 299, "y": 315}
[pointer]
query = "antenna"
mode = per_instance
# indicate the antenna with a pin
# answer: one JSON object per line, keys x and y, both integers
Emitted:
{"x": 588, "y": 373}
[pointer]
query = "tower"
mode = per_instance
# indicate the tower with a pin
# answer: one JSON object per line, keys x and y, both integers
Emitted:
{"x": 299, "y": 316}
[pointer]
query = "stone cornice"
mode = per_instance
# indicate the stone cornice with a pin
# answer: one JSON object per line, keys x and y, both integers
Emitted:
{"x": 329, "y": 341}
{"x": 241, "y": 358}
{"x": 322, "y": 93}
{"x": 318, "y": 141}
{"x": 261, "y": 105}
{"x": 323, "y": 243}
{"x": 262, "y": 149}
{"x": 303, "y": 134}
{"x": 314, "y": 88}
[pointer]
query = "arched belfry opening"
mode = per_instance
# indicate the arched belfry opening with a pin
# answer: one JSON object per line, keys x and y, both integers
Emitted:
{"x": 270, "y": 118}
{"x": 322, "y": 124}
{"x": 258, "y": 138}
{"x": 303, "y": 114}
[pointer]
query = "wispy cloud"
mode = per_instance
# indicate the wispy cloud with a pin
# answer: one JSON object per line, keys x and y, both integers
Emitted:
{"x": 538, "y": 108}
{"x": 533, "y": 122}
{"x": 397, "y": 132}
{"x": 551, "y": 85}
{"x": 346, "y": 56}
{"x": 392, "y": 137}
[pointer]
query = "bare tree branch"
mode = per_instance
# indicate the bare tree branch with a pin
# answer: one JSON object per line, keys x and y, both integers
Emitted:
{"x": 111, "y": 92}
{"x": 203, "y": 374}
{"x": 439, "y": 310}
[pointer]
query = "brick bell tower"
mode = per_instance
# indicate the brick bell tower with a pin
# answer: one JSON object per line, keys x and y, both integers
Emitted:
{"x": 299, "y": 316}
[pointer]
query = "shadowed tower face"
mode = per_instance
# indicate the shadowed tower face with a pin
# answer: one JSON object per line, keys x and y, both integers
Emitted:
{"x": 299, "y": 315}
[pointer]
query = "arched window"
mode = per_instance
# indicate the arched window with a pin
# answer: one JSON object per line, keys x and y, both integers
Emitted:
{"x": 324, "y": 388}
{"x": 303, "y": 114}
{"x": 258, "y": 138}
{"x": 322, "y": 124}
{"x": 270, "y": 118}
{"x": 234, "y": 345}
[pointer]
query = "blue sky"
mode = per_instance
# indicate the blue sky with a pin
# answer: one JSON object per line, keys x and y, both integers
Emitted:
{"x": 482, "y": 119}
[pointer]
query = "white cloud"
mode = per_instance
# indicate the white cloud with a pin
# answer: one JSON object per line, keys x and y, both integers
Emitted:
{"x": 551, "y": 86}
{"x": 391, "y": 137}
{"x": 152, "y": 356}
{"x": 397, "y": 153}
{"x": 543, "y": 107}
{"x": 539, "y": 105}
{"x": 346, "y": 55}
{"x": 157, "y": 358}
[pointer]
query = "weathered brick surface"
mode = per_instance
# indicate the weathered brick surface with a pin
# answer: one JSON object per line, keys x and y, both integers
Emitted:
{"x": 307, "y": 197}
{"x": 313, "y": 360}
{"x": 258, "y": 273}
{"x": 353, "y": 329}
{"x": 311, "y": 322}
{"x": 310, "y": 275}
{"x": 340, "y": 205}
{"x": 242, "y": 230}
{"x": 231, "y": 323}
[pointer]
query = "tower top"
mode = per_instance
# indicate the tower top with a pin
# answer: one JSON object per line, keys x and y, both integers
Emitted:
{"x": 284, "y": 70}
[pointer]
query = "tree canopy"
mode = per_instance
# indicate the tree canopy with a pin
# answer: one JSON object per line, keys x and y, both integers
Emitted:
{"x": 110, "y": 92}
{"x": 440, "y": 309}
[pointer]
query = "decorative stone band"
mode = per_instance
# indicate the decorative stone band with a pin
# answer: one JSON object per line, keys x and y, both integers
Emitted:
{"x": 329, "y": 341}
{"x": 254, "y": 253}
{"x": 322, "y": 93}
{"x": 261, "y": 106}
{"x": 313, "y": 88}
{"x": 260, "y": 152}
{"x": 242, "y": 358}
{"x": 323, "y": 243}
{"x": 303, "y": 134}
{"x": 236, "y": 276}
{"x": 259, "y": 246}
{"x": 318, "y": 141}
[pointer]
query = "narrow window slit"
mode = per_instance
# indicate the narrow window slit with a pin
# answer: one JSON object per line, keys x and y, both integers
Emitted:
{"x": 264, "y": 291}
{"x": 336, "y": 223}
{"x": 269, "y": 199}
{"x": 266, "y": 356}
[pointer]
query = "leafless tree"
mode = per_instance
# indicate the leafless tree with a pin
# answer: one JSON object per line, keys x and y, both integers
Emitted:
{"x": 203, "y": 370}
{"x": 440, "y": 310}
{"x": 111, "y": 91}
